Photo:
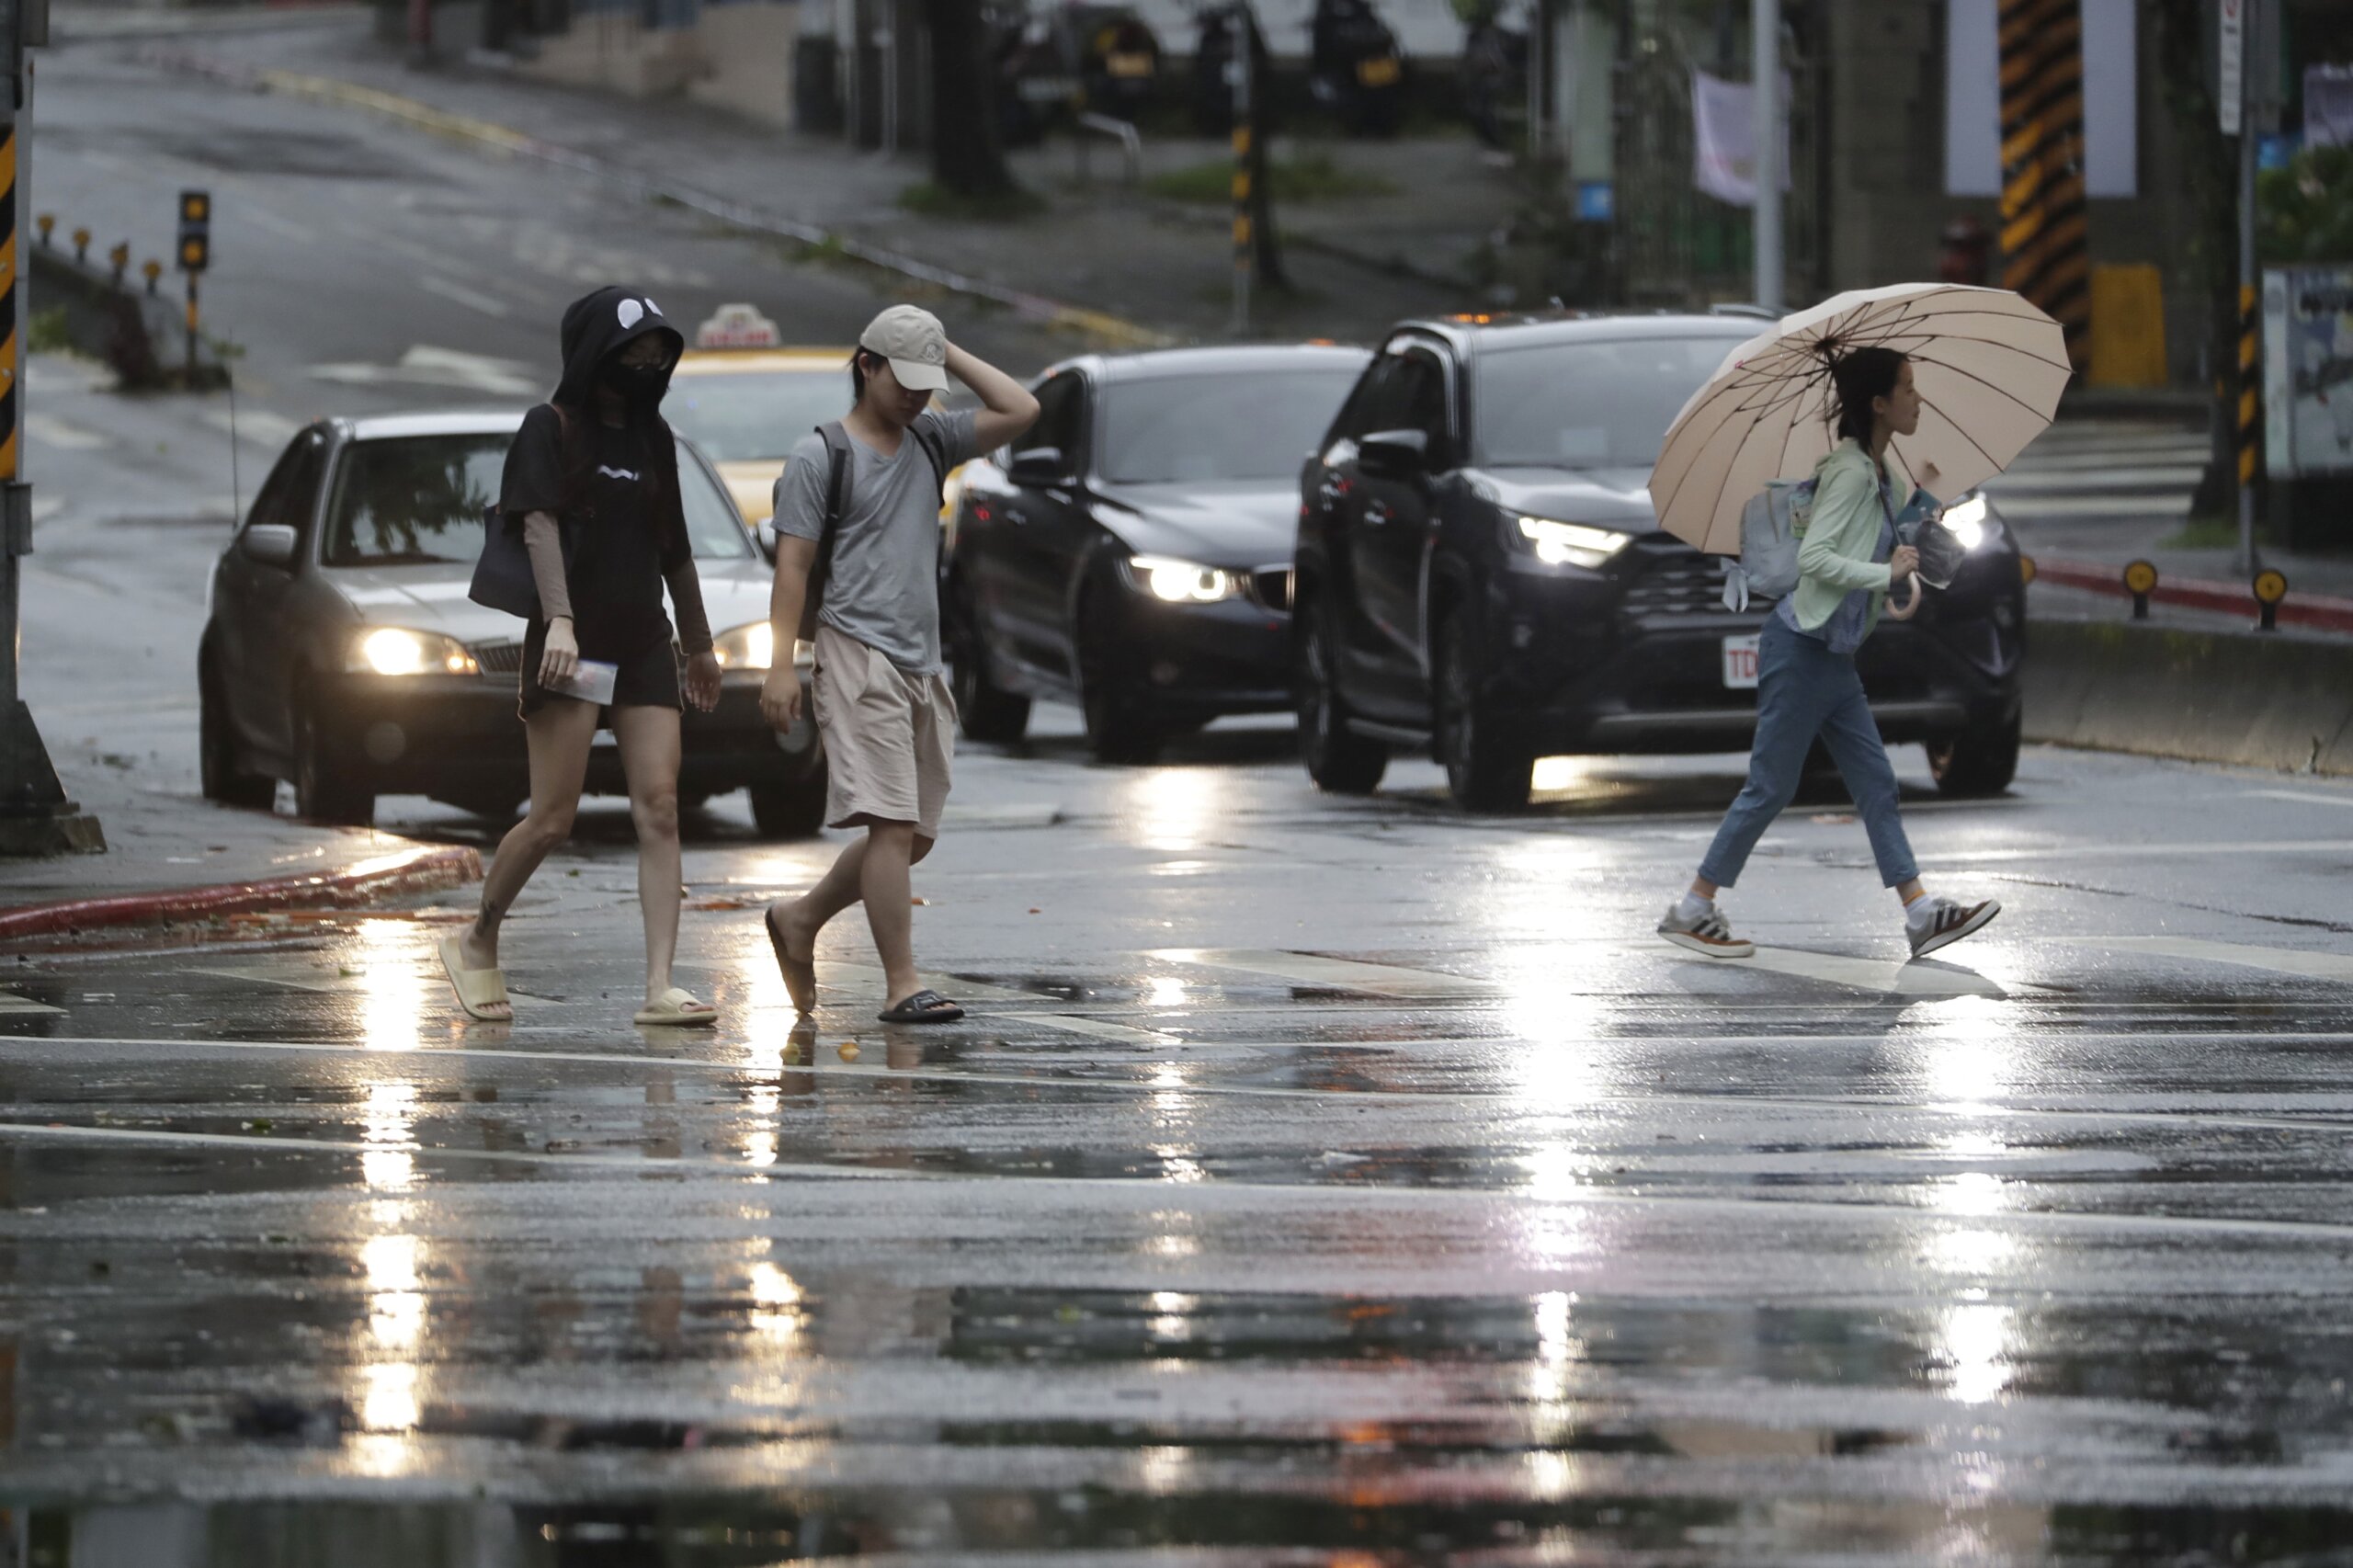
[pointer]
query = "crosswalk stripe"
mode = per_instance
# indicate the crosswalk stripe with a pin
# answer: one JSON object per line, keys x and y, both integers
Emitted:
{"x": 1308, "y": 969}
{"x": 870, "y": 979}
{"x": 1881, "y": 976}
{"x": 12, "y": 1003}
{"x": 2300, "y": 961}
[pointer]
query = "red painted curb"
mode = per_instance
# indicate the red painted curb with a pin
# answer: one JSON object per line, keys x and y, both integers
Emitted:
{"x": 2296, "y": 609}
{"x": 389, "y": 876}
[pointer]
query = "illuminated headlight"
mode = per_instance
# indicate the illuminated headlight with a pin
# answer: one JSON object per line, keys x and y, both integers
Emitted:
{"x": 1571, "y": 544}
{"x": 1966, "y": 520}
{"x": 388, "y": 651}
{"x": 1182, "y": 582}
{"x": 753, "y": 647}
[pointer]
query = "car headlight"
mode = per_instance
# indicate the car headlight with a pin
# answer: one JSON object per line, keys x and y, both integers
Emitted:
{"x": 1572, "y": 544}
{"x": 390, "y": 651}
{"x": 753, "y": 647}
{"x": 1182, "y": 582}
{"x": 1968, "y": 521}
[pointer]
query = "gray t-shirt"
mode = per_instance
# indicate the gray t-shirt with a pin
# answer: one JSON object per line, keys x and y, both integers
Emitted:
{"x": 884, "y": 587}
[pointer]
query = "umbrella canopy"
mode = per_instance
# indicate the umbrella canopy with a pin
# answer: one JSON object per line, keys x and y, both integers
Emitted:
{"x": 1988, "y": 365}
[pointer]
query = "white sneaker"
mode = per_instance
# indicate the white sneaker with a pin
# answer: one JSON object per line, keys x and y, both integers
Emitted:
{"x": 1708, "y": 932}
{"x": 1937, "y": 922}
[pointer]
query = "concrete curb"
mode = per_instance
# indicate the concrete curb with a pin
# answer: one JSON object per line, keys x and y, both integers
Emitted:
{"x": 389, "y": 876}
{"x": 2236, "y": 698}
{"x": 2297, "y": 609}
{"x": 1097, "y": 326}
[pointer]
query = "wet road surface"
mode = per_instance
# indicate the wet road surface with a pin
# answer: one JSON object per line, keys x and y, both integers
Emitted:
{"x": 1313, "y": 1178}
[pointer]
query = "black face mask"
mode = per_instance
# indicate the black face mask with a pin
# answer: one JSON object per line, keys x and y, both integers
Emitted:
{"x": 638, "y": 383}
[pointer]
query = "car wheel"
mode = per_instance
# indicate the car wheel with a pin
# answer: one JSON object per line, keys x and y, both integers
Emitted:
{"x": 218, "y": 769}
{"x": 1488, "y": 768}
{"x": 1337, "y": 761}
{"x": 795, "y": 809}
{"x": 1978, "y": 762}
{"x": 324, "y": 789}
{"x": 984, "y": 711}
{"x": 1121, "y": 723}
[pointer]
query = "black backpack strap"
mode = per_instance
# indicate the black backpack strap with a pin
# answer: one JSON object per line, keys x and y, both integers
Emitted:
{"x": 933, "y": 449}
{"x": 836, "y": 441}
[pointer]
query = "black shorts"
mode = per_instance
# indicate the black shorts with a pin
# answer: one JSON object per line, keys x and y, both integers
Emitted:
{"x": 649, "y": 680}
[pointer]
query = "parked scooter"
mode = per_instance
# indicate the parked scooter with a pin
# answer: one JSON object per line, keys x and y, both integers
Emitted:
{"x": 1355, "y": 69}
{"x": 1054, "y": 64}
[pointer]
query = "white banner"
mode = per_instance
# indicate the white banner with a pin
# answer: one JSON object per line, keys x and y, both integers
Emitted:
{"x": 1723, "y": 138}
{"x": 2231, "y": 87}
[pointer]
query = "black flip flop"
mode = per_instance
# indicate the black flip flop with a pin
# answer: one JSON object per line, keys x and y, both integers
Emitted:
{"x": 799, "y": 974}
{"x": 922, "y": 1008}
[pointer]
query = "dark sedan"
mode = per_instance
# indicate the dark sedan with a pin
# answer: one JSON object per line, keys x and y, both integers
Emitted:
{"x": 1133, "y": 555}
{"x": 341, "y": 652}
{"x": 1480, "y": 572}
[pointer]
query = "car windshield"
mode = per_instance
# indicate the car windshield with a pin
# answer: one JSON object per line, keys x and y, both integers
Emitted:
{"x": 743, "y": 418}
{"x": 418, "y": 500}
{"x": 1219, "y": 427}
{"x": 1587, "y": 405}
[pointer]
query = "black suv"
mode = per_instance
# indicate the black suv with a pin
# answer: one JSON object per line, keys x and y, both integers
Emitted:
{"x": 1480, "y": 572}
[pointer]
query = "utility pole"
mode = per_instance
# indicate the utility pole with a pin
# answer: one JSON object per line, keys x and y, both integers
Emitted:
{"x": 35, "y": 816}
{"x": 1765, "y": 48}
{"x": 1245, "y": 139}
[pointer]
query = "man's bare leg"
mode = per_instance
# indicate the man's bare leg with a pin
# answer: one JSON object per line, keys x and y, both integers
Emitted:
{"x": 889, "y": 893}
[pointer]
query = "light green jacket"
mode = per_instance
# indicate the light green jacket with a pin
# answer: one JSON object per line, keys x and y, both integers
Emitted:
{"x": 1835, "y": 555}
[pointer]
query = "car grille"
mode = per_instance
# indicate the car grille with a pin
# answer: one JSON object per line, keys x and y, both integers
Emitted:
{"x": 1675, "y": 579}
{"x": 498, "y": 658}
{"x": 1270, "y": 585}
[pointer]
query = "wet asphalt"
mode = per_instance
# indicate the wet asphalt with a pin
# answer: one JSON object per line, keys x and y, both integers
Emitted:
{"x": 1313, "y": 1177}
{"x": 1315, "y": 1182}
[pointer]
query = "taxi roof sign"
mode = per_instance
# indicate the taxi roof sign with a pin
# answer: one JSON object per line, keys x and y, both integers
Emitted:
{"x": 737, "y": 326}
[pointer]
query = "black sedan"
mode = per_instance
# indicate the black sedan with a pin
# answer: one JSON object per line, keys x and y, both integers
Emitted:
{"x": 1480, "y": 572}
{"x": 1134, "y": 554}
{"x": 340, "y": 650}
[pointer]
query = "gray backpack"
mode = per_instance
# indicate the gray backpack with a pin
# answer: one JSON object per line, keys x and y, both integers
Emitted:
{"x": 1771, "y": 526}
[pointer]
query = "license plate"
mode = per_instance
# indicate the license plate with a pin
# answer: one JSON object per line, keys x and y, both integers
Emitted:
{"x": 1740, "y": 663}
{"x": 1379, "y": 71}
{"x": 1133, "y": 66}
{"x": 1048, "y": 90}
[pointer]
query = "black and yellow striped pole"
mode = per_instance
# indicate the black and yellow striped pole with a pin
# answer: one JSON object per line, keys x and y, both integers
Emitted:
{"x": 2045, "y": 233}
{"x": 1245, "y": 240}
{"x": 2250, "y": 399}
{"x": 35, "y": 816}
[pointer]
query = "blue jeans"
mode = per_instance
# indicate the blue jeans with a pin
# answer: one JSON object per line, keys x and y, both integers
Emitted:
{"x": 1804, "y": 690}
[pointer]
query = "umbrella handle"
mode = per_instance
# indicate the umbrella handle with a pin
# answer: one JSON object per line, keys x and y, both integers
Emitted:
{"x": 1911, "y": 607}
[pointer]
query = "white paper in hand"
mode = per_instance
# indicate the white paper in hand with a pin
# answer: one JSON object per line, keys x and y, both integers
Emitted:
{"x": 591, "y": 680}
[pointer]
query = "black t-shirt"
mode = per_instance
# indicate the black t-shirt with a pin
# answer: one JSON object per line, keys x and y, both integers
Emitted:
{"x": 616, "y": 571}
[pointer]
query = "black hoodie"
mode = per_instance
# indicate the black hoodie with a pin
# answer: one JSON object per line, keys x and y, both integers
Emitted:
{"x": 615, "y": 487}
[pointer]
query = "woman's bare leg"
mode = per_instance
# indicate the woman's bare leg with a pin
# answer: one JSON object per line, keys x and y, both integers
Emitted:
{"x": 559, "y": 736}
{"x": 649, "y": 741}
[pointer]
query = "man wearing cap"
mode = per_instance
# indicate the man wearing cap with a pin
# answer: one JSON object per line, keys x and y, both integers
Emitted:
{"x": 880, "y": 690}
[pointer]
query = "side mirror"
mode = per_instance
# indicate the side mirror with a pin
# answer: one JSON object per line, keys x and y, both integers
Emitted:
{"x": 1400, "y": 453}
{"x": 764, "y": 535}
{"x": 272, "y": 544}
{"x": 1039, "y": 467}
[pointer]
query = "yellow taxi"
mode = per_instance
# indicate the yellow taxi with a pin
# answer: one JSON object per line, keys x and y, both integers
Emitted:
{"x": 745, "y": 399}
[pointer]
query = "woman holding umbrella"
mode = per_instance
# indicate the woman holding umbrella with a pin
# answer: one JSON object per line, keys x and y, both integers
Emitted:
{"x": 1807, "y": 686}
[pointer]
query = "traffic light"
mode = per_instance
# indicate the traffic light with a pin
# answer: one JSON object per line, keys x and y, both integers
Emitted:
{"x": 196, "y": 230}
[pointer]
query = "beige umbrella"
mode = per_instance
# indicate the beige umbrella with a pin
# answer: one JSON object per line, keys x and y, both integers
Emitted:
{"x": 1989, "y": 367}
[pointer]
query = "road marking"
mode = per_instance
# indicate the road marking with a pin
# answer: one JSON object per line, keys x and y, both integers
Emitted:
{"x": 426, "y": 365}
{"x": 1309, "y": 969}
{"x": 1882, "y": 976}
{"x": 258, "y": 425}
{"x": 2146, "y": 851}
{"x": 295, "y": 974}
{"x": 871, "y": 980}
{"x": 13, "y": 1004}
{"x": 51, "y": 431}
{"x": 1100, "y": 1029}
{"x": 284, "y": 228}
{"x": 2306, "y": 796}
{"x": 1359, "y": 1193}
{"x": 2301, "y": 961}
{"x": 460, "y": 293}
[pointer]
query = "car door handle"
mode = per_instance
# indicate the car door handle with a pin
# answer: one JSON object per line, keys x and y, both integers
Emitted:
{"x": 1376, "y": 513}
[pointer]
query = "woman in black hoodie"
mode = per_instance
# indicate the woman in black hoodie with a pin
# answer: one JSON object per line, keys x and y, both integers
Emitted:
{"x": 592, "y": 480}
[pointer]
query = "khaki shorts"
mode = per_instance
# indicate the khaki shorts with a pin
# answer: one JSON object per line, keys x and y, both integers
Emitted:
{"x": 890, "y": 737}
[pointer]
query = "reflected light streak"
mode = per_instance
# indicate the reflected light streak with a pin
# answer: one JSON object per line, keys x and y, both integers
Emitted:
{"x": 1552, "y": 774}
{"x": 1176, "y": 807}
{"x": 388, "y": 1128}
{"x": 1164, "y": 992}
{"x": 396, "y": 1300}
{"x": 1172, "y": 1321}
{"x": 777, "y": 1310}
{"x": 392, "y": 990}
{"x": 1967, "y": 1051}
{"x": 388, "y": 1401}
{"x": 1976, "y": 1340}
{"x": 1557, "y": 1348}
{"x": 1161, "y": 1469}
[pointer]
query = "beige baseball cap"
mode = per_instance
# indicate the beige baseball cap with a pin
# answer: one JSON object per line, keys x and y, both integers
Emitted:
{"x": 914, "y": 343}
